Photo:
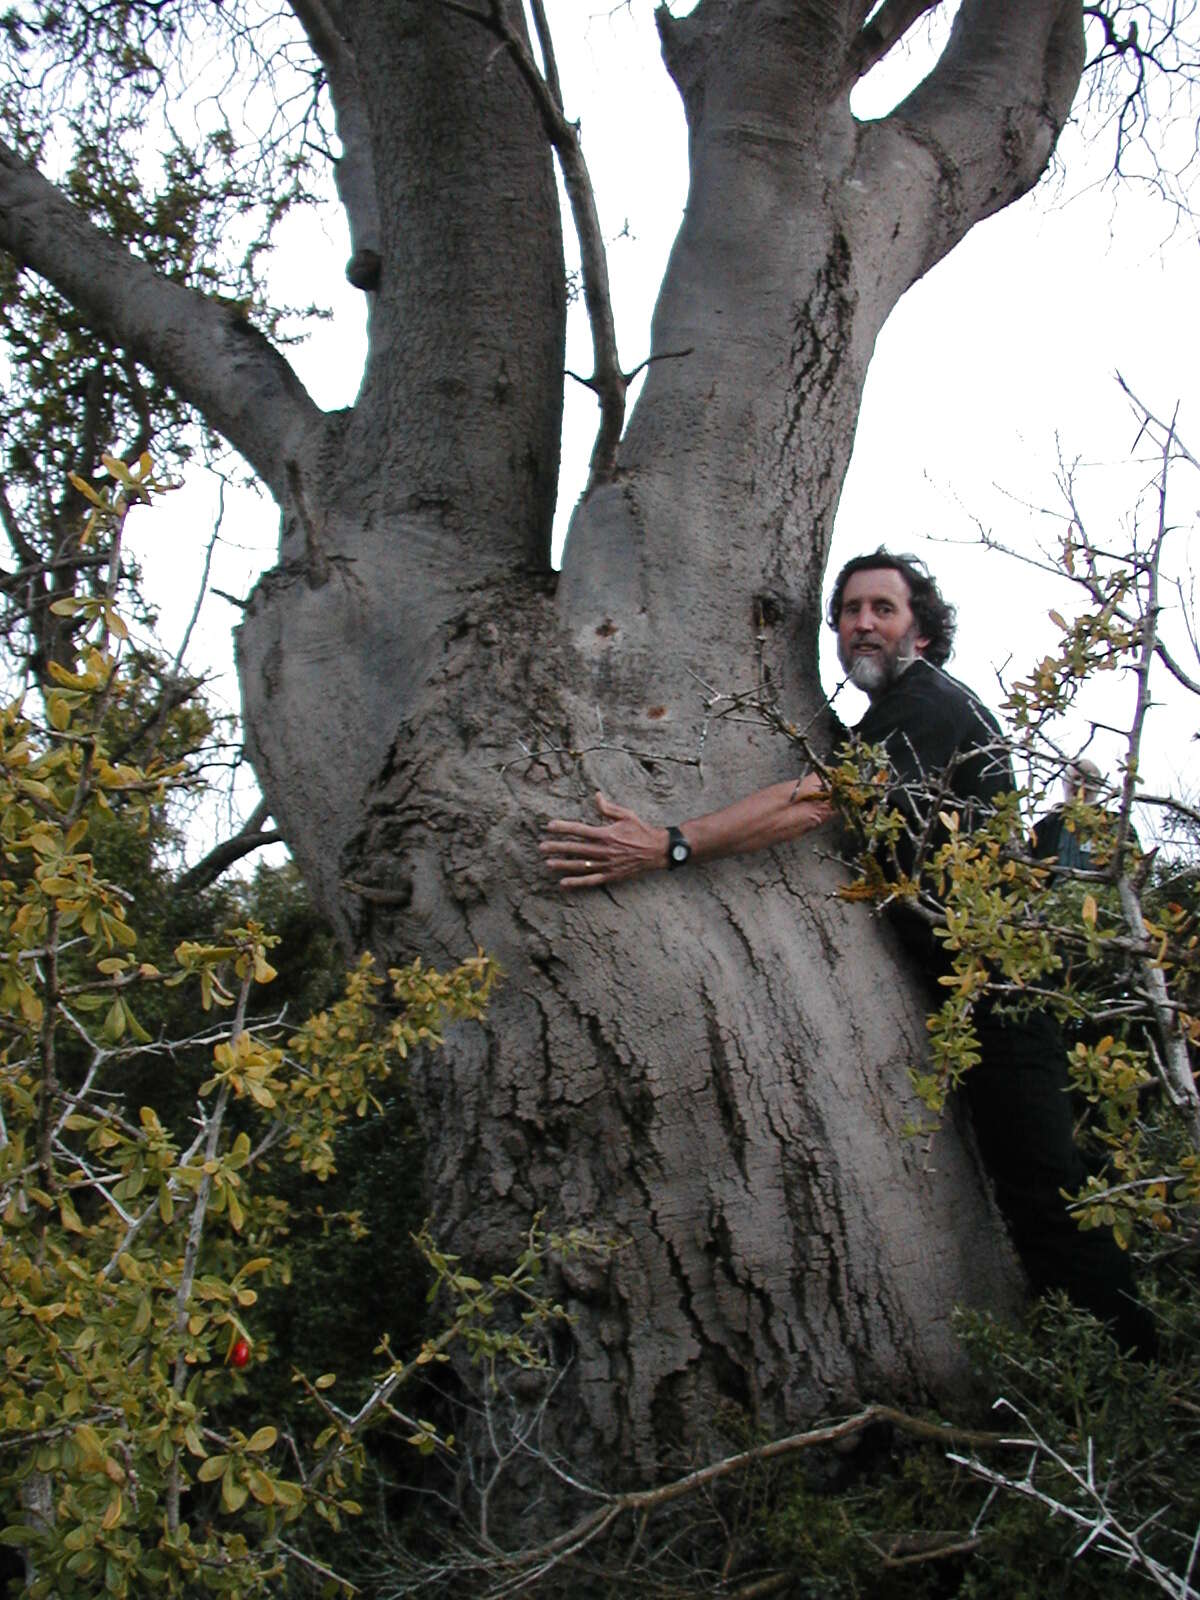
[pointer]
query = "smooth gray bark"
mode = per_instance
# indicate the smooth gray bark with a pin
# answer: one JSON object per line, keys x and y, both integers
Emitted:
{"x": 710, "y": 1065}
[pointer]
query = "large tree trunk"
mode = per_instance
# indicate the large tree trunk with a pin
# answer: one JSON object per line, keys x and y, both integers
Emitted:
{"x": 711, "y": 1065}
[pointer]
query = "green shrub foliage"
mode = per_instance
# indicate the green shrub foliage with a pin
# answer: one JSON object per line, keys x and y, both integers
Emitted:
{"x": 141, "y": 1191}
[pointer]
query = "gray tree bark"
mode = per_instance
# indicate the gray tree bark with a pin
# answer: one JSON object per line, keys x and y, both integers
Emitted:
{"x": 710, "y": 1065}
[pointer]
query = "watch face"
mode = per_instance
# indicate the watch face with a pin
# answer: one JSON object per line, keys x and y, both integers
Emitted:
{"x": 680, "y": 852}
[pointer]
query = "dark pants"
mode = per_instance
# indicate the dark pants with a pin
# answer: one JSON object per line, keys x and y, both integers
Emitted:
{"x": 1023, "y": 1126}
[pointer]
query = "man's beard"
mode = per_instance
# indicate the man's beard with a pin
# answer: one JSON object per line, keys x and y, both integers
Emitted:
{"x": 879, "y": 668}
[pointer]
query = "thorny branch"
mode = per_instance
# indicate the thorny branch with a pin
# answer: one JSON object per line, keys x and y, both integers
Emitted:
{"x": 515, "y": 1571}
{"x": 1175, "y": 1065}
{"x": 1090, "y": 1509}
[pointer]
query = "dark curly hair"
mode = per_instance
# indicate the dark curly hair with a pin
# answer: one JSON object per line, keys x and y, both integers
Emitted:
{"x": 933, "y": 616}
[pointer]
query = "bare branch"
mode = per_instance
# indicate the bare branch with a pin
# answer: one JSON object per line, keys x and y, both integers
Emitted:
{"x": 1176, "y": 671}
{"x": 546, "y": 44}
{"x": 1176, "y": 1066}
{"x": 1138, "y": 49}
{"x": 250, "y": 836}
{"x": 177, "y": 663}
{"x": 513, "y": 1571}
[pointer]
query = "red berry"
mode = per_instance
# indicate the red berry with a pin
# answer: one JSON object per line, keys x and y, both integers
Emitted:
{"x": 239, "y": 1353}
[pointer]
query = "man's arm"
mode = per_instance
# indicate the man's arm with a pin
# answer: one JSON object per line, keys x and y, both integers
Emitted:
{"x": 585, "y": 855}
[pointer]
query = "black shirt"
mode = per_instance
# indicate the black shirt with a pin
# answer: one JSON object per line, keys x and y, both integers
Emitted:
{"x": 946, "y": 752}
{"x": 940, "y": 739}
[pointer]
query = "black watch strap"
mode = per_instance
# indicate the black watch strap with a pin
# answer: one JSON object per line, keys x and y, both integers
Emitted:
{"x": 679, "y": 851}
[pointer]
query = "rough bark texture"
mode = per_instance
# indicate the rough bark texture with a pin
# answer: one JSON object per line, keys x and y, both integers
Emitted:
{"x": 711, "y": 1064}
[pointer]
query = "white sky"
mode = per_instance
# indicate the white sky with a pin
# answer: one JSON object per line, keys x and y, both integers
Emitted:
{"x": 1003, "y": 357}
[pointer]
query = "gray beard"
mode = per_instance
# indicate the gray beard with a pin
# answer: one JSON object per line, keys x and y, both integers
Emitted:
{"x": 874, "y": 673}
{"x": 870, "y": 673}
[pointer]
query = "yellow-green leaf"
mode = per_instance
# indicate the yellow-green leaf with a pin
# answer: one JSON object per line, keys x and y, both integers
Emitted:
{"x": 261, "y": 1487}
{"x": 233, "y": 1494}
{"x": 84, "y": 488}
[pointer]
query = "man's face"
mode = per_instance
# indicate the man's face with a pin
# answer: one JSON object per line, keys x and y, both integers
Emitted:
{"x": 877, "y": 637}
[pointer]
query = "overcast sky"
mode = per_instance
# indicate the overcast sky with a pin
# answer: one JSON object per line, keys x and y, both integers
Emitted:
{"x": 1001, "y": 362}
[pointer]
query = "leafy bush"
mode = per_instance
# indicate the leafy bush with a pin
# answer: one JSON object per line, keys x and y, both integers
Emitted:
{"x": 140, "y": 1229}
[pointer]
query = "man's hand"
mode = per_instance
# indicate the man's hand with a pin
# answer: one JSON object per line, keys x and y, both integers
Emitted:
{"x": 586, "y": 855}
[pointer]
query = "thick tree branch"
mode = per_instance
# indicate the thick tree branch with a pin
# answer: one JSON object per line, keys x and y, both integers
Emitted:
{"x": 885, "y": 29}
{"x": 204, "y": 349}
{"x": 354, "y": 170}
{"x": 1002, "y": 55}
{"x": 250, "y": 836}
{"x": 607, "y": 381}
{"x": 979, "y": 129}
{"x": 999, "y": 95}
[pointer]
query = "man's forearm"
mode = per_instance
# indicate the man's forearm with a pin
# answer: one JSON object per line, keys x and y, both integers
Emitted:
{"x": 587, "y": 855}
{"x": 758, "y": 821}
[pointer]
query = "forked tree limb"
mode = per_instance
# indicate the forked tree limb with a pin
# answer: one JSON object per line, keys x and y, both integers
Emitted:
{"x": 885, "y": 29}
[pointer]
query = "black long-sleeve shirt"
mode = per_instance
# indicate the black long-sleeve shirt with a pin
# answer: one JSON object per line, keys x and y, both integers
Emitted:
{"x": 939, "y": 735}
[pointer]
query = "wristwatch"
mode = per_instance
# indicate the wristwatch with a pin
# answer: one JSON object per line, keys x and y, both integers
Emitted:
{"x": 679, "y": 851}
